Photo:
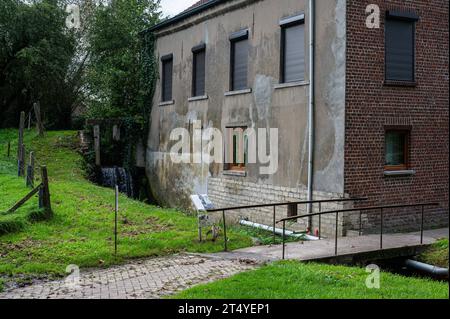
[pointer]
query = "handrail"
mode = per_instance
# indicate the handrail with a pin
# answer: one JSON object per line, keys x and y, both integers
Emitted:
{"x": 355, "y": 209}
{"x": 274, "y": 205}
{"x": 287, "y": 203}
{"x": 361, "y": 209}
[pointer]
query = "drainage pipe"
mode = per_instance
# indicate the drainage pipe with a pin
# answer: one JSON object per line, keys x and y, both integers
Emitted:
{"x": 430, "y": 269}
{"x": 278, "y": 231}
{"x": 311, "y": 108}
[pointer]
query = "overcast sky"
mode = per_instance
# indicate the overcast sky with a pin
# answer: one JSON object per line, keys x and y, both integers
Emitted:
{"x": 173, "y": 7}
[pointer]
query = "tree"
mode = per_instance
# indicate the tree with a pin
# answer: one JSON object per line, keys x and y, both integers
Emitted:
{"x": 117, "y": 66}
{"x": 36, "y": 52}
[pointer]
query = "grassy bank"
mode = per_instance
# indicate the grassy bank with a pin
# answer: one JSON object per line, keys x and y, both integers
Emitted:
{"x": 437, "y": 254}
{"x": 294, "y": 280}
{"x": 81, "y": 231}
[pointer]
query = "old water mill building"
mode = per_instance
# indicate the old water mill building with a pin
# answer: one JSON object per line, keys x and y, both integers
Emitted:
{"x": 358, "y": 91}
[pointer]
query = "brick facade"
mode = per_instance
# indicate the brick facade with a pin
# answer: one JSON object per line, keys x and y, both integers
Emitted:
{"x": 371, "y": 106}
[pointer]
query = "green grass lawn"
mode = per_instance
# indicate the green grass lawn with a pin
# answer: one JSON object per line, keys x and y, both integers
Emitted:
{"x": 81, "y": 231}
{"x": 295, "y": 280}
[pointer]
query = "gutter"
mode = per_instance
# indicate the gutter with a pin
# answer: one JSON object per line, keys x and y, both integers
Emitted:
{"x": 311, "y": 99}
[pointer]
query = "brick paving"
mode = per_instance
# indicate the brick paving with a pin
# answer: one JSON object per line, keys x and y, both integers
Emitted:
{"x": 140, "y": 279}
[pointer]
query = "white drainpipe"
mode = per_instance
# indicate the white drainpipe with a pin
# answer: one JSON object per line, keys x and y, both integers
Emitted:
{"x": 311, "y": 107}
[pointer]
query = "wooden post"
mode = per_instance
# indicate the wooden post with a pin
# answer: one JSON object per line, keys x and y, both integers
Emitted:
{"x": 45, "y": 190}
{"x": 30, "y": 171}
{"x": 116, "y": 132}
{"x": 37, "y": 113}
{"x": 29, "y": 120}
{"x": 20, "y": 141}
{"x": 23, "y": 200}
{"x": 97, "y": 145}
{"x": 21, "y": 161}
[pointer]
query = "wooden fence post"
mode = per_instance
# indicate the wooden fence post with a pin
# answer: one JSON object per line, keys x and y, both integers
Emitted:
{"x": 21, "y": 126}
{"x": 37, "y": 113}
{"x": 116, "y": 132}
{"x": 45, "y": 190}
{"x": 97, "y": 144}
{"x": 30, "y": 171}
{"x": 21, "y": 161}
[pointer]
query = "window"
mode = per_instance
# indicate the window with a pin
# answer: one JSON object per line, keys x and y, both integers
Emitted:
{"x": 237, "y": 149}
{"x": 239, "y": 60}
{"x": 166, "y": 83}
{"x": 198, "y": 70}
{"x": 400, "y": 46}
{"x": 396, "y": 149}
{"x": 292, "y": 49}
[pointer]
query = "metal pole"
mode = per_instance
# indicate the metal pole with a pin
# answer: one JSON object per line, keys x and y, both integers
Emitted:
{"x": 336, "y": 235}
{"x": 224, "y": 231}
{"x": 116, "y": 210}
{"x": 320, "y": 226}
{"x": 381, "y": 230}
{"x": 284, "y": 232}
{"x": 320, "y": 219}
{"x": 360, "y": 223}
{"x": 274, "y": 224}
{"x": 421, "y": 226}
{"x": 9, "y": 148}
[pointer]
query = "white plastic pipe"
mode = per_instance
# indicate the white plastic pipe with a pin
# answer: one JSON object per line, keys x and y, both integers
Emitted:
{"x": 278, "y": 231}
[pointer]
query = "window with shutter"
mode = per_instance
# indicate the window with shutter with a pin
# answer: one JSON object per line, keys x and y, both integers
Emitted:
{"x": 198, "y": 81}
{"x": 293, "y": 59}
{"x": 239, "y": 61}
{"x": 400, "y": 46}
{"x": 166, "y": 83}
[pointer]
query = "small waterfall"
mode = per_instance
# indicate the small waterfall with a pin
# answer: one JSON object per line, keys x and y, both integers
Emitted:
{"x": 111, "y": 176}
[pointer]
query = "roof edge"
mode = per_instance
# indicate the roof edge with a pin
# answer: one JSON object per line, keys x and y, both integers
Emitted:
{"x": 184, "y": 15}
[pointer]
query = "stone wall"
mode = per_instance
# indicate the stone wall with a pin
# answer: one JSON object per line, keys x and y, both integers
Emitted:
{"x": 232, "y": 192}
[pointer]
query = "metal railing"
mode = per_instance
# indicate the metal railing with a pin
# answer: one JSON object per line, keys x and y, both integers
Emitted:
{"x": 274, "y": 205}
{"x": 381, "y": 209}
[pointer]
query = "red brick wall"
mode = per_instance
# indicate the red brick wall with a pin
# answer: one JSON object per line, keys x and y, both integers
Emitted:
{"x": 370, "y": 105}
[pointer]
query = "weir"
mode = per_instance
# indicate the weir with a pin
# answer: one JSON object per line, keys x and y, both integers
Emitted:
{"x": 111, "y": 176}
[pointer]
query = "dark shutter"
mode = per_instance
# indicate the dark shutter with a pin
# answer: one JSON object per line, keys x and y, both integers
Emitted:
{"x": 167, "y": 80}
{"x": 199, "y": 73}
{"x": 399, "y": 50}
{"x": 294, "y": 53}
{"x": 239, "y": 64}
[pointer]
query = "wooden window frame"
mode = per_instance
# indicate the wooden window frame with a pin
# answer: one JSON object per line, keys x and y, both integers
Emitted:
{"x": 406, "y": 132}
{"x": 238, "y": 167}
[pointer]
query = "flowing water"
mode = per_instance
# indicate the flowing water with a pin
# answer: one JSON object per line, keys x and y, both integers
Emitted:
{"x": 111, "y": 176}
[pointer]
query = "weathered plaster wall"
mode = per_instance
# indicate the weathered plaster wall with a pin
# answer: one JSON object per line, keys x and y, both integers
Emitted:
{"x": 265, "y": 107}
